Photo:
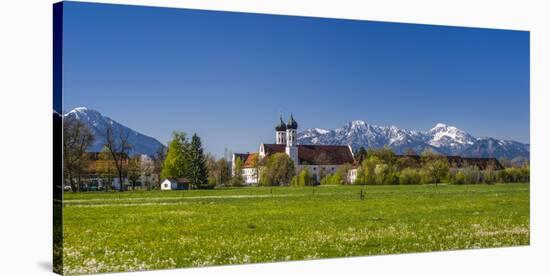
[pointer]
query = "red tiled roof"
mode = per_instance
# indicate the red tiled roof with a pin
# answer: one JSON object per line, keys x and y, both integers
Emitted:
{"x": 316, "y": 154}
{"x": 273, "y": 148}
{"x": 249, "y": 161}
{"x": 325, "y": 155}
{"x": 242, "y": 156}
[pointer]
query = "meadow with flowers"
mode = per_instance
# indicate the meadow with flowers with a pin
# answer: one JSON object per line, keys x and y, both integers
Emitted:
{"x": 130, "y": 231}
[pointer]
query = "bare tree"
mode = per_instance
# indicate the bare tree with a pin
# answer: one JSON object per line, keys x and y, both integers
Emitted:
{"x": 76, "y": 139}
{"x": 119, "y": 147}
{"x": 134, "y": 170}
{"x": 158, "y": 161}
{"x": 147, "y": 169}
{"x": 105, "y": 166}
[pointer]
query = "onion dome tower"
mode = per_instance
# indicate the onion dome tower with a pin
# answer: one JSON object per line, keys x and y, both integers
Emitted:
{"x": 291, "y": 128}
{"x": 292, "y": 124}
{"x": 291, "y": 148}
{"x": 280, "y": 132}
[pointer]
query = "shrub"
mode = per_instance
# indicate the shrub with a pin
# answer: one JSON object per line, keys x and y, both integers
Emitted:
{"x": 489, "y": 176}
{"x": 332, "y": 179}
{"x": 409, "y": 176}
{"x": 361, "y": 178}
{"x": 472, "y": 175}
{"x": 302, "y": 179}
{"x": 426, "y": 176}
{"x": 459, "y": 178}
{"x": 514, "y": 174}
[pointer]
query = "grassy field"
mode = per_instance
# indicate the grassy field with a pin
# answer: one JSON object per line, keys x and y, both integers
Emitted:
{"x": 154, "y": 230}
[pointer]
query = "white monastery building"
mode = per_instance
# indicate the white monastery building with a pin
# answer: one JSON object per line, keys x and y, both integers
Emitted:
{"x": 319, "y": 160}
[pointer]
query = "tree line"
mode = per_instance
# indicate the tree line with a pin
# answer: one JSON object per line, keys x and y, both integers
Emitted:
{"x": 383, "y": 167}
{"x": 184, "y": 158}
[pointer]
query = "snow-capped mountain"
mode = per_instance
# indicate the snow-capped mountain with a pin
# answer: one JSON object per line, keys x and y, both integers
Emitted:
{"x": 141, "y": 144}
{"x": 489, "y": 147}
{"x": 448, "y": 138}
{"x": 441, "y": 138}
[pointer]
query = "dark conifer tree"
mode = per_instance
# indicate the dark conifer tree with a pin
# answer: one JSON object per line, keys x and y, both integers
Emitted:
{"x": 198, "y": 172}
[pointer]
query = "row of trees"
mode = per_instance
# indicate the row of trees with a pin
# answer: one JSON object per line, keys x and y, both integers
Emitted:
{"x": 112, "y": 162}
{"x": 184, "y": 158}
{"x": 381, "y": 166}
{"x": 76, "y": 139}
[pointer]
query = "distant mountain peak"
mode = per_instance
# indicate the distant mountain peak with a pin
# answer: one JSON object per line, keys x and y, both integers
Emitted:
{"x": 98, "y": 123}
{"x": 442, "y": 138}
{"x": 440, "y": 125}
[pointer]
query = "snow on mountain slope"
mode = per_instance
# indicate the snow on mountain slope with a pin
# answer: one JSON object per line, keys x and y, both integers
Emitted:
{"x": 449, "y": 138}
{"x": 141, "y": 144}
{"x": 441, "y": 138}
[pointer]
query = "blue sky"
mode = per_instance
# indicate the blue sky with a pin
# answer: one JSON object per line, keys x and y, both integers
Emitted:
{"x": 228, "y": 76}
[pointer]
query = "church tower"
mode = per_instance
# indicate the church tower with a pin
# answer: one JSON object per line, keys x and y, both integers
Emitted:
{"x": 291, "y": 145}
{"x": 280, "y": 132}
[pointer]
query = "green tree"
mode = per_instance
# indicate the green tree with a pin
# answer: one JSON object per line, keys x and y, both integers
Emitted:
{"x": 279, "y": 170}
{"x": 198, "y": 172}
{"x": 302, "y": 179}
{"x": 435, "y": 167}
{"x": 343, "y": 171}
{"x": 238, "y": 180}
{"x": 409, "y": 176}
{"x": 134, "y": 170}
{"x": 460, "y": 178}
{"x": 369, "y": 166}
{"x": 360, "y": 155}
{"x": 210, "y": 161}
{"x": 385, "y": 155}
{"x": 223, "y": 174}
{"x": 361, "y": 177}
{"x": 176, "y": 162}
{"x": 472, "y": 175}
{"x": 489, "y": 175}
{"x": 525, "y": 171}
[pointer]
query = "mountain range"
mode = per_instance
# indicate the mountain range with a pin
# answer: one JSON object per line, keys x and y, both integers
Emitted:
{"x": 442, "y": 138}
{"x": 97, "y": 123}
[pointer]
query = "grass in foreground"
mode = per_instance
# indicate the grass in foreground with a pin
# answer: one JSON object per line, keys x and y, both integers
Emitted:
{"x": 169, "y": 229}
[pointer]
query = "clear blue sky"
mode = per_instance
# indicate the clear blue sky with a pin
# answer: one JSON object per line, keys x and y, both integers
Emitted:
{"x": 228, "y": 76}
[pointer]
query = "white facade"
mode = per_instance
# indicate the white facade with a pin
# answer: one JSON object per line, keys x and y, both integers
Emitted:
{"x": 290, "y": 137}
{"x": 169, "y": 184}
{"x": 292, "y": 152}
{"x": 280, "y": 137}
{"x": 250, "y": 176}
{"x": 287, "y": 140}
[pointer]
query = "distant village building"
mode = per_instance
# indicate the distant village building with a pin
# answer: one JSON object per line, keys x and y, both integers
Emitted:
{"x": 175, "y": 184}
{"x": 94, "y": 175}
{"x": 319, "y": 160}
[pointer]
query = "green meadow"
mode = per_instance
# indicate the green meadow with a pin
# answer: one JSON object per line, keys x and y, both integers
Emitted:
{"x": 123, "y": 231}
